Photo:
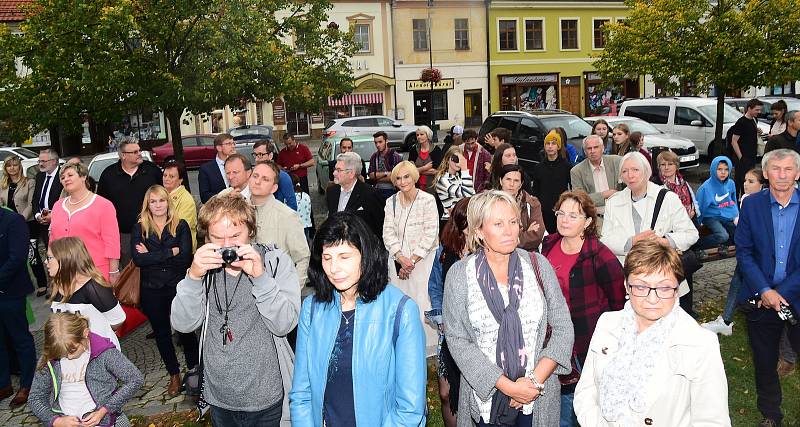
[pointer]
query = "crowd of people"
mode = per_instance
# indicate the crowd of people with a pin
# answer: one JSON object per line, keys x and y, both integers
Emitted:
{"x": 555, "y": 295}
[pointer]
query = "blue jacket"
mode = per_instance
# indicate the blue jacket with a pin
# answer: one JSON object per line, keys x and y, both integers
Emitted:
{"x": 210, "y": 180}
{"x": 285, "y": 191}
{"x": 755, "y": 251}
{"x": 388, "y": 380}
{"x": 715, "y": 198}
{"x": 15, "y": 282}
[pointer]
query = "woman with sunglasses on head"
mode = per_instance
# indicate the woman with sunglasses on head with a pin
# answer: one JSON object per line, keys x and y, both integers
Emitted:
{"x": 453, "y": 182}
{"x": 185, "y": 206}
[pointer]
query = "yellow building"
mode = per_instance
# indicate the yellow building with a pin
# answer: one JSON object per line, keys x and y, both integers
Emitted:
{"x": 540, "y": 56}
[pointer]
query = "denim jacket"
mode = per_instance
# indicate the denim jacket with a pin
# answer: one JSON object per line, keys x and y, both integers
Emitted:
{"x": 436, "y": 289}
{"x": 388, "y": 379}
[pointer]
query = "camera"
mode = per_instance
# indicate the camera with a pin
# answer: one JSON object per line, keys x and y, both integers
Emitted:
{"x": 786, "y": 314}
{"x": 229, "y": 254}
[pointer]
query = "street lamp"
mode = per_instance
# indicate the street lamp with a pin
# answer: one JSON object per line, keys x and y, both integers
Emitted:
{"x": 430, "y": 60}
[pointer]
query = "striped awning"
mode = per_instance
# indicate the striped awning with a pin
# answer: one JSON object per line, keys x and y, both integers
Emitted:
{"x": 356, "y": 99}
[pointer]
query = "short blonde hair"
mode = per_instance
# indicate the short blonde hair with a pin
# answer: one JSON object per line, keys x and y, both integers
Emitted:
{"x": 427, "y": 131}
{"x": 479, "y": 207}
{"x": 651, "y": 256}
{"x": 405, "y": 164}
{"x": 669, "y": 157}
{"x": 79, "y": 169}
{"x": 231, "y": 205}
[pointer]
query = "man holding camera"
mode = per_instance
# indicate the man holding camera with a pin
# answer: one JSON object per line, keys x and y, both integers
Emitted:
{"x": 246, "y": 298}
{"x": 768, "y": 254}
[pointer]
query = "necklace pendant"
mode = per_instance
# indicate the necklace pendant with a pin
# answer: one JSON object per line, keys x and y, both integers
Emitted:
{"x": 229, "y": 335}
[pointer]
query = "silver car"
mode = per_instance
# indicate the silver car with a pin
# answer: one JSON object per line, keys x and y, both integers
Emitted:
{"x": 400, "y": 134}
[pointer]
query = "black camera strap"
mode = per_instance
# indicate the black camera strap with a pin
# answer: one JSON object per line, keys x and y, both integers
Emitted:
{"x": 227, "y": 335}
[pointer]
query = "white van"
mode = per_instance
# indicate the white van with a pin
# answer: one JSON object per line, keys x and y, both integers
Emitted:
{"x": 693, "y": 118}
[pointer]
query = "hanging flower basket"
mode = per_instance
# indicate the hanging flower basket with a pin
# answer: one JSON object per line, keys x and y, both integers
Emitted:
{"x": 431, "y": 75}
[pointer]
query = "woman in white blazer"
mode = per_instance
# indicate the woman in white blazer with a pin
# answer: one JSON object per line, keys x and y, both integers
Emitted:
{"x": 651, "y": 363}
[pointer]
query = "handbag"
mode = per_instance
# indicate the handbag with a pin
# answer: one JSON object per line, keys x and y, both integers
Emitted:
{"x": 128, "y": 287}
{"x": 688, "y": 258}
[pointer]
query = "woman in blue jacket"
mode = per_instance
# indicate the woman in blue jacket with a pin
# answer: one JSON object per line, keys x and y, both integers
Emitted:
{"x": 360, "y": 345}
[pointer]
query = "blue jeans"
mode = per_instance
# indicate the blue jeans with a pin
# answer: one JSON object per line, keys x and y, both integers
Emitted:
{"x": 733, "y": 295}
{"x": 568, "y": 417}
{"x": 14, "y": 325}
{"x": 522, "y": 421}
{"x": 722, "y": 231}
{"x": 270, "y": 417}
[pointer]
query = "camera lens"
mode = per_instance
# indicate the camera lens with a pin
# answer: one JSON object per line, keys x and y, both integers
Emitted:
{"x": 229, "y": 255}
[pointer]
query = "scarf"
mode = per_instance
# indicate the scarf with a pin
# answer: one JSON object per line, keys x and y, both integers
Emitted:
{"x": 624, "y": 381}
{"x": 510, "y": 354}
{"x": 681, "y": 188}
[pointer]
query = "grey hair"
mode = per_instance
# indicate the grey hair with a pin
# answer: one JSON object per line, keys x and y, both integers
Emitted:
{"x": 53, "y": 153}
{"x": 478, "y": 209}
{"x": 780, "y": 155}
{"x": 591, "y": 137}
{"x": 124, "y": 141}
{"x": 427, "y": 131}
{"x": 790, "y": 116}
{"x": 351, "y": 160}
{"x": 639, "y": 158}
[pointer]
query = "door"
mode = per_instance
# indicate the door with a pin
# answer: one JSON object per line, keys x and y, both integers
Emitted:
{"x": 297, "y": 123}
{"x": 473, "y": 108}
{"x": 684, "y": 117}
{"x": 571, "y": 95}
{"x": 422, "y": 115}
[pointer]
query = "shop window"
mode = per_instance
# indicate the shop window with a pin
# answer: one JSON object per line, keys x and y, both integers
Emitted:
{"x": 507, "y": 30}
{"x": 361, "y": 34}
{"x": 534, "y": 34}
{"x": 368, "y": 109}
{"x": 598, "y": 36}
{"x": 462, "y": 34}
{"x": 332, "y": 113}
{"x": 569, "y": 34}
{"x": 259, "y": 113}
{"x": 420, "y": 33}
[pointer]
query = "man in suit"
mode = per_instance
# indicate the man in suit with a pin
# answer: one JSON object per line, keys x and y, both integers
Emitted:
{"x": 351, "y": 195}
{"x": 15, "y": 283}
{"x": 346, "y": 146}
{"x": 768, "y": 252}
{"x": 46, "y": 191}
{"x": 598, "y": 174}
{"x": 211, "y": 177}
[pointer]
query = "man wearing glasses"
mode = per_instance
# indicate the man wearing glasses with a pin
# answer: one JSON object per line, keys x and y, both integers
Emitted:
{"x": 264, "y": 151}
{"x": 211, "y": 177}
{"x": 46, "y": 191}
{"x": 346, "y": 146}
{"x": 352, "y": 195}
{"x": 124, "y": 184}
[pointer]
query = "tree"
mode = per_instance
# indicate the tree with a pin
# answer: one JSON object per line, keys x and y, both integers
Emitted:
{"x": 729, "y": 45}
{"x": 103, "y": 58}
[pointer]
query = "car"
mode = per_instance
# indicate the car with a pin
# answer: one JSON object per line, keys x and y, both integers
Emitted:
{"x": 690, "y": 117}
{"x": 401, "y": 135}
{"x": 766, "y": 113}
{"x": 329, "y": 149}
{"x": 250, "y": 133}
{"x": 684, "y": 148}
{"x": 197, "y": 149}
{"x": 100, "y": 162}
{"x": 28, "y": 158}
{"x": 528, "y": 130}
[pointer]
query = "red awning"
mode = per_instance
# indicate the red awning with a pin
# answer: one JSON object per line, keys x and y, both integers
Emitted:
{"x": 356, "y": 99}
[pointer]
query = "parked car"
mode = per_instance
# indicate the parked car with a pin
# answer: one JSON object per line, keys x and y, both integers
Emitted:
{"x": 329, "y": 149}
{"x": 28, "y": 158}
{"x": 528, "y": 130}
{"x": 766, "y": 113}
{"x": 197, "y": 149}
{"x": 684, "y": 148}
{"x": 251, "y": 133}
{"x": 100, "y": 162}
{"x": 401, "y": 135}
{"x": 693, "y": 118}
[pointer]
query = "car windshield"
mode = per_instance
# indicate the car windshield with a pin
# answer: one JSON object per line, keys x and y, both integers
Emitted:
{"x": 248, "y": 130}
{"x": 98, "y": 166}
{"x": 24, "y": 152}
{"x": 639, "y": 126}
{"x": 573, "y": 125}
{"x": 730, "y": 114}
{"x": 363, "y": 148}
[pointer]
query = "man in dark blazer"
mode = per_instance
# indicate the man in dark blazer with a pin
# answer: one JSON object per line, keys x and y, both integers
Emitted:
{"x": 352, "y": 195}
{"x": 768, "y": 252}
{"x": 211, "y": 177}
{"x": 15, "y": 283}
{"x": 46, "y": 191}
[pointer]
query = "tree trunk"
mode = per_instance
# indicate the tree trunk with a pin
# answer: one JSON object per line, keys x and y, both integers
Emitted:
{"x": 719, "y": 138}
{"x": 174, "y": 123}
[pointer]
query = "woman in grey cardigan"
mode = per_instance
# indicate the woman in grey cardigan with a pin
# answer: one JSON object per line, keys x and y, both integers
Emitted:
{"x": 498, "y": 305}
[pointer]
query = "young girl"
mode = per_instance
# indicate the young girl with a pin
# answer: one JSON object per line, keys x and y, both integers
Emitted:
{"x": 82, "y": 379}
{"x": 303, "y": 207}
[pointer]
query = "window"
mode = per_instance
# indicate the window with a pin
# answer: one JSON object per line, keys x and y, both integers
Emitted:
{"x": 259, "y": 113}
{"x": 569, "y": 34}
{"x": 462, "y": 34}
{"x": 189, "y": 142}
{"x": 361, "y": 35}
{"x": 299, "y": 47}
{"x": 360, "y": 123}
{"x": 598, "y": 38}
{"x": 656, "y": 114}
{"x": 529, "y": 131}
{"x": 534, "y": 34}
{"x": 420, "y": 32}
{"x": 385, "y": 122}
{"x": 507, "y": 30}
{"x": 685, "y": 116}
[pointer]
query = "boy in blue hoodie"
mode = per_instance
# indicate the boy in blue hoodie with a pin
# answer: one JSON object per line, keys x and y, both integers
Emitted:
{"x": 719, "y": 211}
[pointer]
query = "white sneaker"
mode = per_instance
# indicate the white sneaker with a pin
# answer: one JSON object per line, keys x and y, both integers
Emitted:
{"x": 718, "y": 326}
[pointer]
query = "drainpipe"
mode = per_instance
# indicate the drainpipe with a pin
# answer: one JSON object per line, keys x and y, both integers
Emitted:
{"x": 488, "y": 63}
{"x": 394, "y": 63}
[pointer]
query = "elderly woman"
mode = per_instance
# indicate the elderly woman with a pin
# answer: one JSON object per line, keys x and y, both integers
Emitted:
{"x": 668, "y": 174}
{"x": 651, "y": 363}
{"x": 498, "y": 307}
{"x": 426, "y": 157}
{"x": 630, "y": 216}
{"x": 410, "y": 233}
{"x": 185, "y": 206}
{"x": 531, "y": 225}
{"x": 590, "y": 277}
{"x": 360, "y": 346}
{"x": 90, "y": 217}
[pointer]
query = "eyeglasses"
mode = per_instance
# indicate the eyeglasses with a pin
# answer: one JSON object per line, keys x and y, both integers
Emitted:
{"x": 41, "y": 162}
{"x": 259, "y": 155}
{"x": 339, "y": 170}
{"x": 643, "y": 291}
{"x": 572, "y": 216}
{"x": 132, "y": 152}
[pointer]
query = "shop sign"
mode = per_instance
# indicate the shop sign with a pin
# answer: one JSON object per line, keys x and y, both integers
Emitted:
{"x": 413, "y": 85}
{"x": 278, "y": 112}
{"x": 530, "y": 79}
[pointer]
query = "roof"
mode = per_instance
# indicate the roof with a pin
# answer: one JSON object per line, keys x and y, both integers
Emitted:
{"x": 12, "y": 10}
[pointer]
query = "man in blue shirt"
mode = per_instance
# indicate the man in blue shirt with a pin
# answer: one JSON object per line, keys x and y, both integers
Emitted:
{"x": 768, "y": 252}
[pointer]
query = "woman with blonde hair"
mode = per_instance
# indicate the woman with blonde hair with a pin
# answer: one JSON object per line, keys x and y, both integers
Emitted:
{"x": 161, "y": 245}
{"x": 79, "y": 286}
{"x": 82, "y": 378}
{"x": 453, "y": 181}
{"x": 426, "y": 157}
{"x": 16, "y": 193}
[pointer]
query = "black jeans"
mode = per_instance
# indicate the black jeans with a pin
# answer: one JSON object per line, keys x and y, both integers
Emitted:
{"x": 270, "y": 417}
{"x": 14, "y": 324}
{"x": 764, "y": 328}
{"x": 156, "y": 305}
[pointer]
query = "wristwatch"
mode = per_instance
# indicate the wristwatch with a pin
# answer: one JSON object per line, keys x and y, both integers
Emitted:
{"x": 537, "y": 385}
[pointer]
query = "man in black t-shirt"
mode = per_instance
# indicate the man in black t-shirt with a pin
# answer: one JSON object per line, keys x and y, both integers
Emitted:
{"x": 744, "y": 142}
{"x": 788, "y": 138}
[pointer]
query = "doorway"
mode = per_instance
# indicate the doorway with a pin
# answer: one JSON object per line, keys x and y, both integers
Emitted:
{"x": 473, "y": 111}
{"x": 571, "y": 94}
{"x": 297, "y": 123}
